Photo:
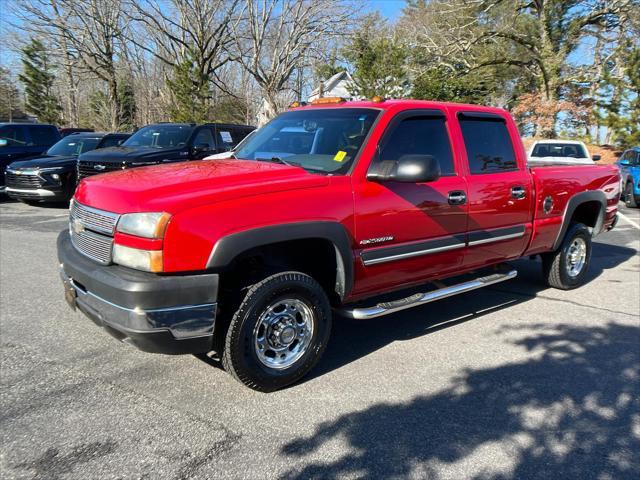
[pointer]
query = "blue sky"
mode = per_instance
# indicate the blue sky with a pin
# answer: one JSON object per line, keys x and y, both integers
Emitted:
{"x": 390, "y": 9}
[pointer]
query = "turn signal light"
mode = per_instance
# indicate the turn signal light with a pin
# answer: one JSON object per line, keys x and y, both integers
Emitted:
{"x": 326, "y": 100}
{"x": 377, "y": 99}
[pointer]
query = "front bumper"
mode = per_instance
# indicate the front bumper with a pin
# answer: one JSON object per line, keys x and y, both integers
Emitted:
{"x": 158, "y": 314}
{"x": 35, "y": 194}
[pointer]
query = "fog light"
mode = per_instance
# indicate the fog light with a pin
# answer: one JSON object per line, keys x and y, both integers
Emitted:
{"x": 55, "y": 176}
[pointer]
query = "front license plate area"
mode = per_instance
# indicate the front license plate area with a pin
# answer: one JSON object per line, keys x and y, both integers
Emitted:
{"x": 70, "y": 295}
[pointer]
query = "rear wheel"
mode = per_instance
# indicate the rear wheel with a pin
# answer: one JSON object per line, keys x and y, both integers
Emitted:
{"x": 278, "y": 333}
{"x": 629, "y": 197}
{"x": 567, "y": 267}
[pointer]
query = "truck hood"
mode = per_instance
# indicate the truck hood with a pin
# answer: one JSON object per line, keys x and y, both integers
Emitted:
{"x": 127, "y": 154}
{"x": 179, "y": 186}
{"x": 45, "y": 162}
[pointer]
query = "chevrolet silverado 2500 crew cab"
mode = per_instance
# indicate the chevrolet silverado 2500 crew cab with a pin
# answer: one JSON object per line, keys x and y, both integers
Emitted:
{"x": 323, "y": 210}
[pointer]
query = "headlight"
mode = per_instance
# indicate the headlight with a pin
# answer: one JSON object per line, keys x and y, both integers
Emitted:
{"x": 147, "y": 225}
{"x": 147, "y": 260}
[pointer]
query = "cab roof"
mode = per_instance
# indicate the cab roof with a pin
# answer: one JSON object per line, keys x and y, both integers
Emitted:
{"x": 401, "y": 103}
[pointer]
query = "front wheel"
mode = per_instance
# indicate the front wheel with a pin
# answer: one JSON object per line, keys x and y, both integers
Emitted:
{"x": 279, "y": 331}
{"x": 567, "y": 267}
{"x": 629, "y": 196}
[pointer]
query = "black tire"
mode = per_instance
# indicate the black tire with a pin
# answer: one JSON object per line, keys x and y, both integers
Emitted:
{"x": 556, "y": 265}
{"x": 629, "y": 197}
{"x": 240, "y": 357}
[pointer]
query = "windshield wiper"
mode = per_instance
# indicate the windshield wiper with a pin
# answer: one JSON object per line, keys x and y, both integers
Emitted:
{"x": 277, "y": 160}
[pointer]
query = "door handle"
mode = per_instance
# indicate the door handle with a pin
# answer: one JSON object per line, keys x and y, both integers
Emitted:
{"x": 457, "y": 197}
{"x": 518, "y": 192}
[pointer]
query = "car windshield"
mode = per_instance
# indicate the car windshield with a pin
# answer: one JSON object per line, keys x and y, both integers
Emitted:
{"x": 318, "y": 140}
{"x": 72, "y": 145}
{"x": 571, "y": 150}
{"x": 160, "y": 136}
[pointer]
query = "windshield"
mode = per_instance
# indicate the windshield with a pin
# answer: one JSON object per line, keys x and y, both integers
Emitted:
{"x": 321, "y": 140}
{"x": 572, "y": 150}
{"x": 72, "y": 145}
{"x": 160, "y": 136}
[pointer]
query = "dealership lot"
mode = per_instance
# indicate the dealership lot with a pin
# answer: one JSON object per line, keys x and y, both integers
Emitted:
{"x": 512, "y": 381}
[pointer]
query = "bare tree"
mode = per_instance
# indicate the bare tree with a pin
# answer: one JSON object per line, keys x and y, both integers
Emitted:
{"x": 277, "y": 36}
{"x": 197, "y": 31}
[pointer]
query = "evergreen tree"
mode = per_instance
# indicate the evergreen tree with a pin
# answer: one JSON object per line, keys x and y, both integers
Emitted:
{"x": 378, "y": 60}
{"x": 37, "y": 77}
{"x": 191, "y": 91}
{"x": 127, "y": 102}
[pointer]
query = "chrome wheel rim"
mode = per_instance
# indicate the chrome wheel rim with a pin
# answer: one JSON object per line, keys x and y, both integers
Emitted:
{"x": 576, "y": 257}
{"x": 283, "y": 333}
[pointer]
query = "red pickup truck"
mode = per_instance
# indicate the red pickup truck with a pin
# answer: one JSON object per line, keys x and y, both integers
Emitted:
{"x": 361, "y": 208}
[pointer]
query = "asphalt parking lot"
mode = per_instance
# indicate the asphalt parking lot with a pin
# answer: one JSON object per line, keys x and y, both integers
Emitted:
{"x": 515, "y": 381}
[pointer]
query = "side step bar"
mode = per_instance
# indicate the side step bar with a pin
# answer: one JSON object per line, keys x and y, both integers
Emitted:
{"x": 421, "y": 298}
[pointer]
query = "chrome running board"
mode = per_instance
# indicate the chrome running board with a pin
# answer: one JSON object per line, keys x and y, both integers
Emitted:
{"x": 417, "y": 299}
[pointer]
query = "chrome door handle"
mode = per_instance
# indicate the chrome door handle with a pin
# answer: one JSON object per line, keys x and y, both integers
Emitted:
{"x": 457, "y": 197}
{"x": 518, "y": 193}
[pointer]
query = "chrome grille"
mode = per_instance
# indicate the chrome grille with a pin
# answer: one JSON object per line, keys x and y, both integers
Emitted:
{"x": 14, "y": 180}
{"x": 87, "y": 169}
{"x": 93, "y": 219}
{"x": 93, "y": 245}
{"x": 92, "y": 231}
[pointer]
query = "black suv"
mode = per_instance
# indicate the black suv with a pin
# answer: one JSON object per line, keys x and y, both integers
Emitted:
{"x": 52, "y": 177}
{"x": 24, "y": 140}
{"x": 164, "y": 143}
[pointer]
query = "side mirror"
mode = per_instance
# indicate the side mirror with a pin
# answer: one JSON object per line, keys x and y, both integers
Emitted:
{"x": 3, "y": 142}
{"x": 407, "y": 169}
{"x": 596, "y": 158}
{"x": 201, "y": 147}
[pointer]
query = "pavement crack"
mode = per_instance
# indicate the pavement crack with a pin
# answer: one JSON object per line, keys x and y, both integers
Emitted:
{"x": 560, "y": 300}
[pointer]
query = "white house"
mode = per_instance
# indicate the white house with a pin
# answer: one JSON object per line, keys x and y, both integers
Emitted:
{"x": 337, "y": 86}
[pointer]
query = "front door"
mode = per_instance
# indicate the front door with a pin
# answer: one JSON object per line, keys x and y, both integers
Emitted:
{"x": 409, "y": 232}
{"x": 500, "y": 190}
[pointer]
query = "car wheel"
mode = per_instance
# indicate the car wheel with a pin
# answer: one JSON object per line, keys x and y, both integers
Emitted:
{"x": 278, "y": 333}
{"x": 567, "y": 267}
{"x": 629, "y": 197}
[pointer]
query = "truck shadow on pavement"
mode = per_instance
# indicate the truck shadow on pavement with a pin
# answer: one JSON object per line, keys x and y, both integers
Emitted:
{"x": 354, "y": 339}
{"x": 570, "y": 410}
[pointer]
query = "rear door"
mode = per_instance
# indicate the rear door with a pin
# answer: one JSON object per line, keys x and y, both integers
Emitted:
{"x": 500, "y": 189}
{"x": 409, "y": 232}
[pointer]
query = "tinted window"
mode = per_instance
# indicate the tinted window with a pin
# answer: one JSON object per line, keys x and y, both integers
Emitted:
{"x": 73, "y": 145}
{"x": 238, "y": 134}
{"x": 42, "y": 136}
{"x": 420, "y": 136}
{"x": 572, "y": 150}
{"x": 160, "y": 136}
{"x": 488, "y": 145}
{"x": 204, "y": 137}
{"x": 317, "y": 139}
{"x": 13, "y": 135}
{"x": 111, "y": 142}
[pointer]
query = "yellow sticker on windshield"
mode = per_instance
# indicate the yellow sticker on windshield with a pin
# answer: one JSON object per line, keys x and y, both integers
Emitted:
{"x": 340, "y": 156}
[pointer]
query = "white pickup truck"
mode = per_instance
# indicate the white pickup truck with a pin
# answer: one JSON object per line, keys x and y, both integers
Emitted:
{"x": 560, "y": 152}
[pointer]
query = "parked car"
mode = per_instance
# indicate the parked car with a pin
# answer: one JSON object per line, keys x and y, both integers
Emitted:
{"x": 24, "y": 140}
{"x": 629, "y": 164}
{"x": 230, "y": 153}
{"x": 164, "y": 143}
{"x": 249, "y": 257}
{"x": 561, "y": 152}
{"x": 53, "y": 177}
{"x": 69, "y": 130}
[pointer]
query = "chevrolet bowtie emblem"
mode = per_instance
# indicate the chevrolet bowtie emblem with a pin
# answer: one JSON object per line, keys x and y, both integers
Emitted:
{"x": 99, "y": 167}
{"x": 77, "y": 226}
